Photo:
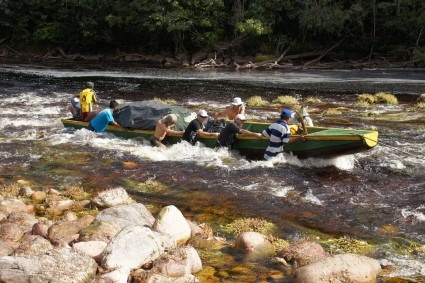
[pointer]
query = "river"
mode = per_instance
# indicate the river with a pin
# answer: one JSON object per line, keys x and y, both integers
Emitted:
{"x": 376, "y": 196}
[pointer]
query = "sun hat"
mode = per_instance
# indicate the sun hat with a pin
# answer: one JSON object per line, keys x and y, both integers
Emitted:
{"x": 286, "y": 113}
{"x": 202, "y": 113}
{"x": 237, "y": 101}
{"x": 240, "y": 117}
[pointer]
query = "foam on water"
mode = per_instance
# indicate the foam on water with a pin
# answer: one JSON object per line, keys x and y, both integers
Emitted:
{"x": 310, "y": 197}
{"x": 416, "y": 213}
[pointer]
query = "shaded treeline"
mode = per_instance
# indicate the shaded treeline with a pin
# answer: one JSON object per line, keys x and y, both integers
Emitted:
{"x": 366, "y": 29}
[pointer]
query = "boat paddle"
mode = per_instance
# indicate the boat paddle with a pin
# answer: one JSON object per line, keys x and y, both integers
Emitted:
{"x": 300, "y": 114}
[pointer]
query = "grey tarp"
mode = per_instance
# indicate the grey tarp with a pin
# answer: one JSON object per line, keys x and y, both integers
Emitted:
{"x": 145, "y": 115}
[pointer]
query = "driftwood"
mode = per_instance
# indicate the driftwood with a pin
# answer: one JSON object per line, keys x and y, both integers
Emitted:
{"x": 210, "y": 63}
{"x": 13, "y": 50}
{"x": 4, "y": 53}
{"x": 323, "y": 54}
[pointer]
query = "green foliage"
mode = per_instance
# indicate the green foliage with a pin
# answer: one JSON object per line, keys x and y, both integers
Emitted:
{"x": 367, "y": 98}
{"x": 393, "y": 28}
{"x": 386, "y": 98}
{"x": 242, "y": 225}
{"x": 347, "y": 245}
{"x": 256, "y": 101}
{"x": 312, "y": 100}
{"x": 285, "y": 100}
{"x": 420, "y": 105}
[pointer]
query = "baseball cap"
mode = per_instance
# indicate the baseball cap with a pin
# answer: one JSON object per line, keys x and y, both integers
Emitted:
{"x": 202, "y": 113}
{"x": 286, "y": 113}
{"x": 240, "y": 117}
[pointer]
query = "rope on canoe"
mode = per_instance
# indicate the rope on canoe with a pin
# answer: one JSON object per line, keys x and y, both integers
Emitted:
{"x": 393, "y": 147}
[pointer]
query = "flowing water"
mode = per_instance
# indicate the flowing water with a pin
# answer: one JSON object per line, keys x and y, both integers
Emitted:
{"x": 377, "y": 196}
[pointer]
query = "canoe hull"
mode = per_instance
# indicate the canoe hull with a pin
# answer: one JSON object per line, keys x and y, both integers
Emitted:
{"x": 320, "y": 142}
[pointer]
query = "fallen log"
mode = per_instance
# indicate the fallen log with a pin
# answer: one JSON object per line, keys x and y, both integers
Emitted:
{"x": 323, "y": 54}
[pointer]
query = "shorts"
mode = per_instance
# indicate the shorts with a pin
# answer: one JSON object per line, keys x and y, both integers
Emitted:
{"x": 155, "y": 142}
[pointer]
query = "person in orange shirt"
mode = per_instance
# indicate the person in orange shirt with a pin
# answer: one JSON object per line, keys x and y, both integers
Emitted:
{"x": 87, "y": 100}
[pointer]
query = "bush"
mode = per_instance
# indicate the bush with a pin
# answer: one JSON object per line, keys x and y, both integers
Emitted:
{"x": 386, "y": 98}
{"x": 420, "y": 105}
{"x": 285, "y": 100}
{"x": 362, "y": 104}
{"x": 367, "y": 97}
{"x": 256, "y": 101}
{"x": 311, "y": 100}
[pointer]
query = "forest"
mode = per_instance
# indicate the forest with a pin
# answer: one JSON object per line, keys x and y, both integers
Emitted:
{"x": 333, "y": 31}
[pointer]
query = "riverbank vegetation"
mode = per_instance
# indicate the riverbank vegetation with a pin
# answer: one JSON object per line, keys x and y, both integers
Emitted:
{"x": 251, "y": 34}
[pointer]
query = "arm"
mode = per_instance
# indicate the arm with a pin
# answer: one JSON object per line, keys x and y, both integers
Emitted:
{"x": 220, "y": 113}
{"x": 252, "y": 134}
{"x": 203, "y": 134}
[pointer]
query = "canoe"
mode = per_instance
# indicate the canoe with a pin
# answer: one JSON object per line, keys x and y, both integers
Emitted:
{"x": 320, "y": 141}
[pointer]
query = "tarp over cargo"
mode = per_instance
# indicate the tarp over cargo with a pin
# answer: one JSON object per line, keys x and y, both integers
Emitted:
{"x": 144, "y": 115}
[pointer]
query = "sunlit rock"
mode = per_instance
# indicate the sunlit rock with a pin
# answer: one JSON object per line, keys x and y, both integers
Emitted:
{"x": 5, "y": 248}
{"x": 9, "y": 205}
{"x": 339, "y": 268}
{"x": 112, "y": 197}
{"x": 58, "y": 207}
{"x": 63, "y": 232}
{"x": 127, "y": 215}
{"x": 38, "y": 196}
{"x": 41, "y": 227}
{"x": 10, "y": 232}
{"x": 93, "y": 249}
{"x": 171, "y": 221}
{"x": 26, "y": 191}
{"x": 178, "y": 262}
{"x": 303, "y": 253}
{"x": 123, "y": 251}
{"x": 32, "y": 245}
{"x": 99, "y": 231}
{"x": 86, "y": 220}
{"x": 60, "y": 265}
{"x": 119, "y": 275}
{"x": 24, "y": 220}
{"x": 252, "y": 241}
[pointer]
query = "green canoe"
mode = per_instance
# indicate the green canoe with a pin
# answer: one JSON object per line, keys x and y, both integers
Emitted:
{"x": 320, "y": 141}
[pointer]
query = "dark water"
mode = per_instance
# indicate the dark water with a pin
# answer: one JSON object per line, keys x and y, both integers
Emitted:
{"x": 355, "y": 196}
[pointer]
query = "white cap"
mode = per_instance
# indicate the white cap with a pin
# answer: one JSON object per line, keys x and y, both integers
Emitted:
{"x": 240, "y": 117}
{"x": 202, "y": 113}
{"x": 237, "y": 101}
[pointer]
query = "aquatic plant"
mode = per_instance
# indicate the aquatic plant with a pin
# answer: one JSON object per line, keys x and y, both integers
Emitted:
{"x": 386, "y": 98}
{"x": 420, "y": 105}
{"x": 285, "y": 100}
{"x": 312, "y": 100}
{"x": 9, "y": 190}
{"x": 248, "y": 225}
{"x": 347, "y": 245}
{"x": 362, "y": 103}
{"x": 76, "y": 193}
{"x": 367, "y": 98}
{"x": 333, "y": 111}
{"x": 256, "y": 101}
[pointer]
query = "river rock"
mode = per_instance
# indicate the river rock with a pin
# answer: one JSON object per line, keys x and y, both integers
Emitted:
{"x": 339, "y": 268}
{"x": 3, "y": 216}
{"x": 24, "y": 220}
{"x": 252, "y": 241}
{"x": 143, "y": 276}
{"x": 32, "y": 245}
{"x": 41, "y": 227}
{"x": 112, "y": 197}
{"x": 127, "y": 253}
{"x": 26, "y": 192}
{"x": 63, "y": 232}
{"x": 60, "y": 265}
{"x": 10, "y": 232}
{"x": 135, "y": 214}
{"x": 93, "y": 249}
{"x": 178, "y": 262}
{"x": 119, "y": 275}
{"x": 5, "y": 248}
{"x": 7, "y": 206}
{"x": 99, "y": 231}
{"x": 38, "y": 196}
{"x": 303, "y": 253}
{"x": 171, "y": 221}
{"x": 58, "y": 207}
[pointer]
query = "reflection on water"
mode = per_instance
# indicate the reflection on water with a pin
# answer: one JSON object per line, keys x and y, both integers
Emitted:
{"x": 354, "y": 195}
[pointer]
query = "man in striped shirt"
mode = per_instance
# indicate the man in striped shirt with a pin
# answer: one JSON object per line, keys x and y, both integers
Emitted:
{"x": 279, "y": 134}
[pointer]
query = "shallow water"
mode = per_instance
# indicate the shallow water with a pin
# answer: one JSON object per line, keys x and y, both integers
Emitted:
{"x": 355, "y": 195}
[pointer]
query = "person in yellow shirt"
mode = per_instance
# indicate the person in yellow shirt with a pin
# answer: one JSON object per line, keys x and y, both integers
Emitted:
{"x": 87, "y": 99}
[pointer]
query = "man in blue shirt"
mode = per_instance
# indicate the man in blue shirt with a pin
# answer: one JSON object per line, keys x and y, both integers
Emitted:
{"x": 279, "y": 134}
{"x": 102, "y": 120}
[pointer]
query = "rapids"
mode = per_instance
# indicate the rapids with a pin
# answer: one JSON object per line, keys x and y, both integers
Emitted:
{"x": 356, "y": 196}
